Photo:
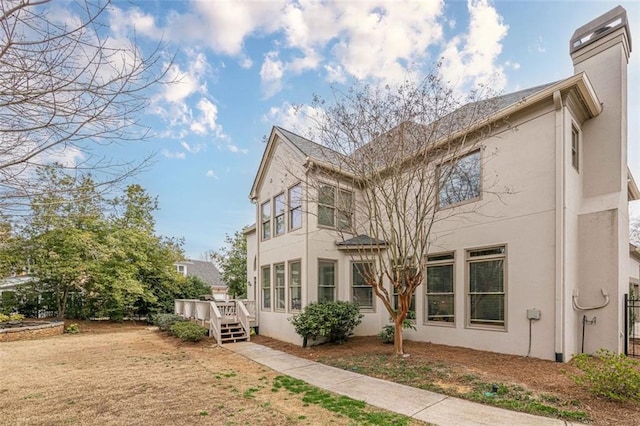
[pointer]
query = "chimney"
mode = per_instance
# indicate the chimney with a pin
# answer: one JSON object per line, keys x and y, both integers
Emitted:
{"x": 601, "y": 50}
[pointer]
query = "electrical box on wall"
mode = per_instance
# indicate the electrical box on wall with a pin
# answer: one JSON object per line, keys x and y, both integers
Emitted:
{"x": 533, "y": 314}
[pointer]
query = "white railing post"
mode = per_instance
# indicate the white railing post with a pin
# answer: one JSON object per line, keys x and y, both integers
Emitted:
{"x": 244, "y": 318}
{"x": 215, "y": 322}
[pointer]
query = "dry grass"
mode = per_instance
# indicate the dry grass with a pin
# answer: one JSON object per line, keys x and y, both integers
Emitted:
{"x": 135, "y": 375}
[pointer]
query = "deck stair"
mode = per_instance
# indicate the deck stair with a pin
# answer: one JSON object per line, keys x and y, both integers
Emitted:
{"x": 233, "y": 332}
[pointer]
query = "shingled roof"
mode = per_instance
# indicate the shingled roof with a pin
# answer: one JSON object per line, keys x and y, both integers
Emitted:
{"x": 360, "y": 241}
{"x": 204, "y": 270}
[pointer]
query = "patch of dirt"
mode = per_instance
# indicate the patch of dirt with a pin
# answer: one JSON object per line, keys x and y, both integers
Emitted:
{"x": 452, "y": 368}
{"x": 131, "y": 374}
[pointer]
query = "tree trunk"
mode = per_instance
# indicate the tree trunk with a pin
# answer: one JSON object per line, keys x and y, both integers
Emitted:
{"x": 397, "y": 337}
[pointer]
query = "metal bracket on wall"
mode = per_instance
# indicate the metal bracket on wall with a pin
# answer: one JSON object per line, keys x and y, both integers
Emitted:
{"x": 577, "y": 306}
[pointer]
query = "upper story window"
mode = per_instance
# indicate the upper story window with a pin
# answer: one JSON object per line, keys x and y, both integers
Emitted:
{"x": 265, "y": 218}
{"x": 182, "y": 269}
{"x": 295, "y": 207}
{"x": 575, "y": 148}
{"x": 279, "y": 207}
{"x": 335, "y": 207}
{"x": 459, "y": 180}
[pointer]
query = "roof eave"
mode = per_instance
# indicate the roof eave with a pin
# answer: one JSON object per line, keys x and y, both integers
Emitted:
{"x": 632, "y": 187}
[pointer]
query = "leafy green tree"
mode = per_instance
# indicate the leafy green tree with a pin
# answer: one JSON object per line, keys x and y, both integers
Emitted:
{"x": 232, "y": 259}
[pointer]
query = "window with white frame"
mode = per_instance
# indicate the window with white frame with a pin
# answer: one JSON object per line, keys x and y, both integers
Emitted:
{"x": 182, "y": 269}
{"x": 295, "y": 286}
{"x": 279, "y": 207}
{"x": 265, "y": 219}
{"x": 486, "y": 286}
{"x": 279, "y": 287}
{"x": 295, "y": 207}
{"x": 326, "y": 281}
{"x": 575, "y": 148}
{"x": 459, "y": 180}
{"x": 335, "y": 207}
{"x": 439, "y": 288}
{"x": 266, "y": 288}
{"x": 361, "y": 292}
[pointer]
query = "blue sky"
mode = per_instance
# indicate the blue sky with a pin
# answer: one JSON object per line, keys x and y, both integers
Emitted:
{"x": 242, "y": 64}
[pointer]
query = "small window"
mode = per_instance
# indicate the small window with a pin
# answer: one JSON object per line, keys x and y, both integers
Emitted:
{"x": 279, "y": 208}
{"x": 182, "y": 269}
{"x": 486, "y": 287}
{"x": 575, "y": 148}
{"x": 295, "y": 207}
{"x": 439, "y": 304}
{"x": 335, "y": 207}
{"x": 326, "y": 281}
{"x": 266, "y": 288}
{"x": 266, "y": 220}
{"x": 295, "y": 286}
{"x": 361, "y": 292}
{"x": 459, "y": 180}
{"x": 279, "y": 287}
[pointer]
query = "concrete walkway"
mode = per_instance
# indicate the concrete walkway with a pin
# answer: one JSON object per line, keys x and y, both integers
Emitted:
{"x": 420, "y": 404}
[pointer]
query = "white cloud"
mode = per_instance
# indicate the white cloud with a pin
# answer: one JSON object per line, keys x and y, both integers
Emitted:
{"x": 246, "y": 62}
{"x": 470, "y": 59}
{"x": 192, "y": 149}
{"x": 177, "y": 155}
{"x": 212, "y": 174}
{"x": 271, "y": 74}
{"x": 303, "y": 120}
{"x": 234, "y": 148}
{"x": 335, "y": 73}
{"x": 66, "y": 156}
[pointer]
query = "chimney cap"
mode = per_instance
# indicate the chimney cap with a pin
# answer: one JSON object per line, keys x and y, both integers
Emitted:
{"x": 599, "y": 28}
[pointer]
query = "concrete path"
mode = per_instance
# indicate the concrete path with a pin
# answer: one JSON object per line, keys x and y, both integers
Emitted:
{"x": 420, "y": 404}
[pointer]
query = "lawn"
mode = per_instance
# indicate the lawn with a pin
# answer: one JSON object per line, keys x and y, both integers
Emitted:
{"x": 126, "y": 374}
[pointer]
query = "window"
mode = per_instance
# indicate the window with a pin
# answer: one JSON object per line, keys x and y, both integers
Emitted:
{"x": 295, "y": 286}
{"x": 459, "y": 180}
{"x": 362, "y": 293}
{"x": 575, "y": 148}
{"x": 295, "y": 207}
{"x": 279, "y": 287}
{"x": 279, "y": 207}
{"x": 439, "y": 289}
{"x": 266, "y": 288}
{"x": 486, "y": 298}
{"x": 335, "y": 207}
{"x": 181, "y": 269}
{"x": 266, "y": 220}
{"x": 326, "y": 281}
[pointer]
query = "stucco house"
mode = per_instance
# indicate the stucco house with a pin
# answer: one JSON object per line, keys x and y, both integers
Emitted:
{"x": 207, "y": 272}
{"x": 556, "y": 245}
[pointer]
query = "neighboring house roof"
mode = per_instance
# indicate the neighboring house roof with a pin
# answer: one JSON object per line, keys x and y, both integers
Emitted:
{"x": 204, "y": 270}
{"x": 360, "y": 241}
{"x": 249, "y": 229}
{"x": 12, "y": 283}
{"x": 634, "y": 252}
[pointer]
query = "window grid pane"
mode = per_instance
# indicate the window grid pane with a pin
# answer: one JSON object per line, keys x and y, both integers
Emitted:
{"x": 279, "y": 287}
{"x": 459, "y": 180}
{"x": 266, "y": 220}
{"x": 266, "y": 288}
{"x": 295, "y": 207}
{"x": 486, "y": 292}
{"x": 326, "y": 281}
{"x": 440, "y": 306}
{"x": 279, "y": 208}
{"x": 361, "y": 292}
{"x": 295, "y": 286}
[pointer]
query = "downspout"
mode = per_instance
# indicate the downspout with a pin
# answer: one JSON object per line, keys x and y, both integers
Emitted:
{"x": 559, "y": 341}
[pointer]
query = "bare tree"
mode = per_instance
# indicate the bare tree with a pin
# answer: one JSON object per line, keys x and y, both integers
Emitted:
{"x": 395, "y": 161}
{"x": 634, "y": 231}
{"x": 67, "y": 87}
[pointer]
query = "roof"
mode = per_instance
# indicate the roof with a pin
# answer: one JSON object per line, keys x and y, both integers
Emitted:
{"x": 359, "y": 241}
{"x": 204, "y": 270}
{"x": 311, "y": 149}
{"x": 634, "y": 252}
{"x": 12, "y": 283}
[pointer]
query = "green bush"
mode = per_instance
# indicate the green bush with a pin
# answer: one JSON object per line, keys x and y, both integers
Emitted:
{"x": 388, "y": 332}
{"x": 188, "y": 331}
{"x": 614, "y": 376}
{"x": 165, "y": 321}
{"x": 72, "y": 329}
{"x": 11, "y": 317}
{"x": 334, "y": 321}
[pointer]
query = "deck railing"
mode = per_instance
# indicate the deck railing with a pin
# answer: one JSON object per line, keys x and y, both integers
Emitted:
{"x": 244, "y": 317}
{"x": 215, "y": 322}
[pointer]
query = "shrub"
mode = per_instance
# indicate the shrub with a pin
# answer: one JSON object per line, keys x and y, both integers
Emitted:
{"x": 165, "y": 321}
{"x": 334, "y": 321}
{"x": 388, "y": 332}
{"x": 614, "y": 376}
{"x": 11, "y": 317}
{"x": 188, "y": 331}
{"x": 72, "y": 329}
